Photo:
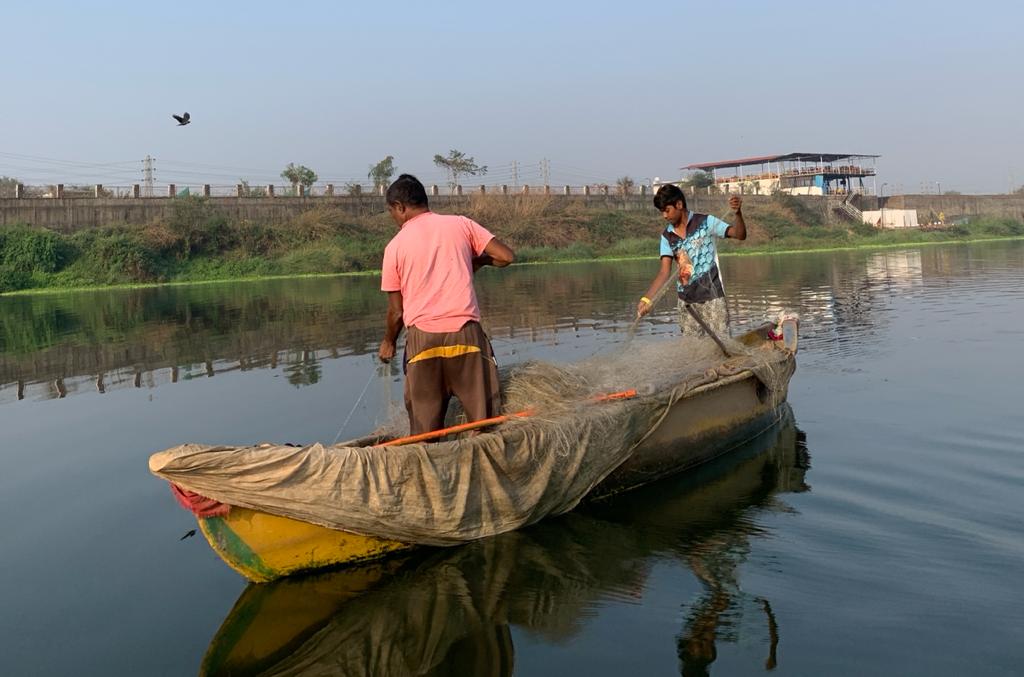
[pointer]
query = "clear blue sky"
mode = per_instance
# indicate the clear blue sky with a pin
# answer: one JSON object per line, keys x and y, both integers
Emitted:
{"x": 600, "y": 89}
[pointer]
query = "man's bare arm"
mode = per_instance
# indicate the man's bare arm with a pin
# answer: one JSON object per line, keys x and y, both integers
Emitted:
{"x": 738, "y": 230}
{"x": 643, "y": 306}
{"x": 393, "y": 325}
{"x": 496, "y": 253}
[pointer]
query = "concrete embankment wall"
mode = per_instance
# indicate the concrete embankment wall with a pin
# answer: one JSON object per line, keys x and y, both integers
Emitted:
{"x": 71, "y": 214}
{"x": 950, "y": 206}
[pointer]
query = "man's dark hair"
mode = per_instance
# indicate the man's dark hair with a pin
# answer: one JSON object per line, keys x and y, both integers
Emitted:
{"x": 669, "y": 194}
{"x": 406, "y": 190}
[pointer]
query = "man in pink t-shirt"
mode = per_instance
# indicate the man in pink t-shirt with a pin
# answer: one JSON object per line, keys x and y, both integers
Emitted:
{"x": 428, "y": 275}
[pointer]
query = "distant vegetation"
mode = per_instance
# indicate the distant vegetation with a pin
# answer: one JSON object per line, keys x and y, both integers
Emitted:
{"x": 699, "y": 180}
{"x": 250, "y": 191}
{"x": 7, "y": 186}
{"x": 299, "y": 175}
{"x": 198, "y": 242}
{"x": 457, "y": 164}
{"x": 381, "y": 173}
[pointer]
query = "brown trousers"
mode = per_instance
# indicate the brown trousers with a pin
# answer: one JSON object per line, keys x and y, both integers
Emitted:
{"x": 437, "y": 366}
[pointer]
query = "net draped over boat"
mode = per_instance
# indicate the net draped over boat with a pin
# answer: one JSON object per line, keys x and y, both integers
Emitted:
{"x": 514, "y": 475}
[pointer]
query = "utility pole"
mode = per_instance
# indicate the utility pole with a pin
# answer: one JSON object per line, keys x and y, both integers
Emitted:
{"x": 147, "y": 176}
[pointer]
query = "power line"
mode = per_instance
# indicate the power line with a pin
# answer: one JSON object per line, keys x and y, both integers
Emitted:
{"x": 546, "y": 171}
{"x": 209, "y": 166}
{"x": 39, "y": 158}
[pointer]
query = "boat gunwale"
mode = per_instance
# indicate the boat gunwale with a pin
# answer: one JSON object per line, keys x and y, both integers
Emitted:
{"x": 759, "y": 333}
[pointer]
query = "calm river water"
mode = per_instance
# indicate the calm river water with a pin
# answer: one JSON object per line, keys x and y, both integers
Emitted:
{"x": 879, "y": 532}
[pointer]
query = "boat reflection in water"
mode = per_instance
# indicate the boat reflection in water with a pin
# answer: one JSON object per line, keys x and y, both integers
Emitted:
{"x": 450, "y": 611}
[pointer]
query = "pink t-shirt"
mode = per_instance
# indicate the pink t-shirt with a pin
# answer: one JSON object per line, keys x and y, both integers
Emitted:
{"x": 431, "y": 262}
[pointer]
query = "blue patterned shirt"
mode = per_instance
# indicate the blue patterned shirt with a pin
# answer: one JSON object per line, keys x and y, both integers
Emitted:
{"x": 706, "y": 282}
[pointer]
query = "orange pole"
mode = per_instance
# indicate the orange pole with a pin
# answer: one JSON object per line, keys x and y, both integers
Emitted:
{"x": 494, "y": 420}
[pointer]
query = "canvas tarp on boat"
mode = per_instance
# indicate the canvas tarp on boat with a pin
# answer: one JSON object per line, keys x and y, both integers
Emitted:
{"x": 451, "y": 492}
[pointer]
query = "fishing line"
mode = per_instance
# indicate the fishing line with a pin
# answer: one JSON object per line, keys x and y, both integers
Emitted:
{"x": 356, "y": 405}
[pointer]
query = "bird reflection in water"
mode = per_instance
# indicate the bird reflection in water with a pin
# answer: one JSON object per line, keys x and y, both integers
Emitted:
{"x": 444, "y": 612}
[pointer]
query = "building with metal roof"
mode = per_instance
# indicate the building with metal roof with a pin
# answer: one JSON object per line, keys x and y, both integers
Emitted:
{"x": 794, "y": 173}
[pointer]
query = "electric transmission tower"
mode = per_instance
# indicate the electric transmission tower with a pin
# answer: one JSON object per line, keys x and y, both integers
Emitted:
{"x": 545, "y": 171}
{"x": 147, "y": 176}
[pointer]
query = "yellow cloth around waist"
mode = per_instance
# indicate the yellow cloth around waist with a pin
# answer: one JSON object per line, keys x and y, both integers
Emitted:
{"x": 445, "y": 351}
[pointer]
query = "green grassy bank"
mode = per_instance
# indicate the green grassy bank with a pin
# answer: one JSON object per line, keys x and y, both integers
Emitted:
{"x": 200, "y": 244}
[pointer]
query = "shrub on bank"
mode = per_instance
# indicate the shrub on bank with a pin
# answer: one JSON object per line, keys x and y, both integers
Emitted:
{"x": 364, "y": 253}
{"x": 200, "y": 226}
{"x": 120, "y": 258}
{"x": 28, "y": 249}
{"x": 14, "y": 280}
{"x": 607, "y": 227}
{"x": 255, "y": 239}
{"x": 999, "y": 227}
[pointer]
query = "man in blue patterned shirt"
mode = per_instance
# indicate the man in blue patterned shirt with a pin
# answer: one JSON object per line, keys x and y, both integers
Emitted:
{"x": 689, "y": 240}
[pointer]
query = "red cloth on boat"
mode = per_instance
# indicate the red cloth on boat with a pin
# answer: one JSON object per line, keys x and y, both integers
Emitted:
{"x": 200, "y": 505}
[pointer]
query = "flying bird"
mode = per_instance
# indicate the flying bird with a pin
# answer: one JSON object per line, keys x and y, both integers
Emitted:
{"x": 182, "y": 119}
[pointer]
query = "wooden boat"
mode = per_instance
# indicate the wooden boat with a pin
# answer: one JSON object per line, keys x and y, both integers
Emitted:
{"x": 708, "y": 421}
{"x": 454, "y": 610}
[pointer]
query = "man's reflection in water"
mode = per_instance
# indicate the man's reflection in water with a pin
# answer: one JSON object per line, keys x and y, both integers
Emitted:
{"x": 451, "y": 611}
{"x": 715, "y": 560}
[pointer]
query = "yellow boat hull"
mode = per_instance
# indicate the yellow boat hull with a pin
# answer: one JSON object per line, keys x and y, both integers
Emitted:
{"x": 709, "y": 421}
{"x": 264, "y": 547}
{"x": 268, "y": 623}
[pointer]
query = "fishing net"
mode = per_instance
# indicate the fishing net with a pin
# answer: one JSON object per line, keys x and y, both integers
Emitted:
{"x": 513, "y": 475}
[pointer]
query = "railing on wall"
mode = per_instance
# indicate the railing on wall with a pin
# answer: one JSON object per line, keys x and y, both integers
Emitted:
{"x": 173, "y": 190}
{"x": 841, "y": 170}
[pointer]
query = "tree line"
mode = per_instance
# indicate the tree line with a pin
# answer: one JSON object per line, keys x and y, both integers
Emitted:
{"x": 456, "y": 165}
